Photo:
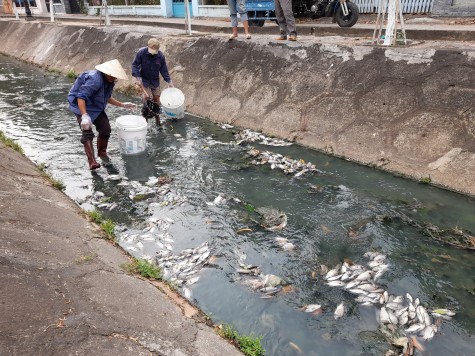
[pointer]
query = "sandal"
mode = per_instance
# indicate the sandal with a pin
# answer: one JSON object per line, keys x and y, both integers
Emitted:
{"x": 248, "y": 36}
{"x": 232, "y": 37}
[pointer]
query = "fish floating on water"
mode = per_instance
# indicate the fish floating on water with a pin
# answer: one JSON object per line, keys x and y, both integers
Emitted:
{"x": 246, "y": 136}
{"x": 398, "y": 315}
{"x": 278, "y": 161}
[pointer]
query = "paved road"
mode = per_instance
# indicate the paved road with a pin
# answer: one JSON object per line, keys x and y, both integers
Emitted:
{"x": 417, "y": 27}
{"x": 62, "y": 290}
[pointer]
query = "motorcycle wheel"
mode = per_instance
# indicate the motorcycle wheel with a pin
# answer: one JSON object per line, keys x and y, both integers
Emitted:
{"x": 256, "y": 23}
{"x": 350, "y": 20}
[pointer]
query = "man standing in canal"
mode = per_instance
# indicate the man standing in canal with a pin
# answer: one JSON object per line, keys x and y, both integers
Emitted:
{"x": 286, "y": 20}
{"x": 88, "y": 98}
{"x": 148, "y": 65}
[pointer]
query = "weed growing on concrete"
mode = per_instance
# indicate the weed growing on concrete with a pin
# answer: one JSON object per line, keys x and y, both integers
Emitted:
{"x": 10, "y": 143}
{"x": 106, "y": 224}
{"x": 71, "y": 75}
{"x": 144, "y": 268}
{"x": 425, "y": 180}
{"x": 95, "y": 215}
{"x": 109, "y": 228}
{"x": 86, "y": 258}
{"x": 249, "y": 345}
{"x": 57, "y": 183}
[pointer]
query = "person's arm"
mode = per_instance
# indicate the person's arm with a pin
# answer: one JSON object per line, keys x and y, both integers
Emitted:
{"x": 164, "y": 71}
{"x": 86, "y": 121}
{"x": 137, "y": 65}
{"x": 126, "y": 105}
{"x": 82, "y": 106}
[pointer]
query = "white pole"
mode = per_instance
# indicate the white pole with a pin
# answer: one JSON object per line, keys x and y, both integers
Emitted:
{"x": 51, "y": 10}
{"x": 187, "y": 18}
{"x": 390, "y": 35}
{"x": 106, "y": 13}
{"x": 15, "y": 10}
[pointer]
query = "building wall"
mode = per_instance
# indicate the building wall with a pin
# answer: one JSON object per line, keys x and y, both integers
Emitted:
{"x": 454, "y": 8}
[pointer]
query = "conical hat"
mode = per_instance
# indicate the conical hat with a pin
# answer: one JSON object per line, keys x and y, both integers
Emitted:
{"x": 112, "y": 68}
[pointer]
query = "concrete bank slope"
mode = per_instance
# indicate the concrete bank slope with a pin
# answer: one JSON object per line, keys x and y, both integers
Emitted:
{"x": 62, "y": 291}
{"x": 405, "y": 110}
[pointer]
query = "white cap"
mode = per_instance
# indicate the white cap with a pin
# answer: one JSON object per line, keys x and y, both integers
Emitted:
{"x": 112, "y": 68}
{"x": 153, "y": 45}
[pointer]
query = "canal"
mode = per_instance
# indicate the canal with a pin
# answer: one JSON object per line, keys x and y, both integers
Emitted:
{"x": 197, "y": 190}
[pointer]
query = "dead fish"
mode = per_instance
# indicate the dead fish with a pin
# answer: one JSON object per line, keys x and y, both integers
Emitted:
{"x": 335, "y": 271}
{"x": 339, "y": 311}
{"x": 244, "y": 229}
{"x": 442, "y": 311}
{"x": 336, "y": 284}
{"x": 415, "y": 328}
{"x": 192, "y": 281}
{"x": 311, "y": 308}
{"x": 442, "y": 316}
{"x": 357, "y": 291}
{"x": 295, "y": 347}
{"x": 383, "y": 316}
{"x": 429, "y": 332}
{"x": 270, "y": 290}
{"x": 365, "y": 276}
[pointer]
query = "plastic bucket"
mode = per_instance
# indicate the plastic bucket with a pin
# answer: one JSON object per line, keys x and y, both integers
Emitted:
{"x": 132, "y": 131}
{"x": 173, "y": 103}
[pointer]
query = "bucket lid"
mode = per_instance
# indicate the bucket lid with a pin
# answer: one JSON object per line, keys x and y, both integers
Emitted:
{"x": 172, "y": 98}
{"x": 131, "y": 122}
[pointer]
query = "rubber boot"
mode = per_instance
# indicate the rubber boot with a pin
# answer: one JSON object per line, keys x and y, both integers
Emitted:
{"x": 89, "y": 149}
{"x": 102, "y": 147}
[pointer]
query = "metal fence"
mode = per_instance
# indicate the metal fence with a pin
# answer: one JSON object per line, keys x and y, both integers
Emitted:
{"x": 408, "y": 6}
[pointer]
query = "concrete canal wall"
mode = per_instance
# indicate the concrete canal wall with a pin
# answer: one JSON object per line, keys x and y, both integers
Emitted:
{"x": 406, "y": 110}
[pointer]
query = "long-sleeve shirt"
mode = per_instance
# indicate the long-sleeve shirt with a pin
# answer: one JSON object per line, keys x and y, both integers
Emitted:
{"x": 94, "y": 89}
{"x": 149, "y": 67}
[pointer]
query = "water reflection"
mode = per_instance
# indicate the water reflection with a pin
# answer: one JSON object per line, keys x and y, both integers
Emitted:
{"x": 336, "y": 215}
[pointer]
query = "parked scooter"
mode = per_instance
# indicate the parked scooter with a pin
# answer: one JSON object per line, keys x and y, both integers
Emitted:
{"x": 344, "y": 12}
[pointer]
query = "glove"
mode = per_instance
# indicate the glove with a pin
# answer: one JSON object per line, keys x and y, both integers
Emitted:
{"x": 86, "y": 121}
{"x": 128, "y": 105}
{"x": 170, "y": 84}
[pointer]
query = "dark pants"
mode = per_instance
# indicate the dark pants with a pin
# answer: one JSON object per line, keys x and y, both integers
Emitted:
{"x": 103, "y": 128}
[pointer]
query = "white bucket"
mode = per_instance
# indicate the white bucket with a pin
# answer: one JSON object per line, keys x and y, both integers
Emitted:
{"x": 173, "y": 103}
{"x": 132, "y": 131}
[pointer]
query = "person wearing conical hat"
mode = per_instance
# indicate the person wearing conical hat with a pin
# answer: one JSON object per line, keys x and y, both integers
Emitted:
{"x": 88, "y": 98}
{"x": 149, "y": 63}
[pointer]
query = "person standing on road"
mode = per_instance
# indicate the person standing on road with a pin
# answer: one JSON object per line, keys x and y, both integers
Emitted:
{"x": 148, "y": 65}
{"x": 286, "y": 20}
{"x": 236, "y": 6}
{"x": 88, "y": 98}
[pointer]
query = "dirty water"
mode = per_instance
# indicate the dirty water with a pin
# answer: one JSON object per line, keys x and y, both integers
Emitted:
{"x": 339, "y": 212}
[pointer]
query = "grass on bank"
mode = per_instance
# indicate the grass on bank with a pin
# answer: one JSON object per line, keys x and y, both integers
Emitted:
{"x": 57, "y": 183}
{"x": 10, "y": 143}
{"x": 144, "y": 268}
{"x": 106, "y": 224}
{"x": 249, "y": 345}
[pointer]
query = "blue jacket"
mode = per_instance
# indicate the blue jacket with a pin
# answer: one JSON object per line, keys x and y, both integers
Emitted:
{"x": 149, "y": 67}
{"x": 94, "y": 89}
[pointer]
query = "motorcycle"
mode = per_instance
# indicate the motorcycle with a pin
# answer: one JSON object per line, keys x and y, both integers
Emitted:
{"x": 344, "y": 12}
